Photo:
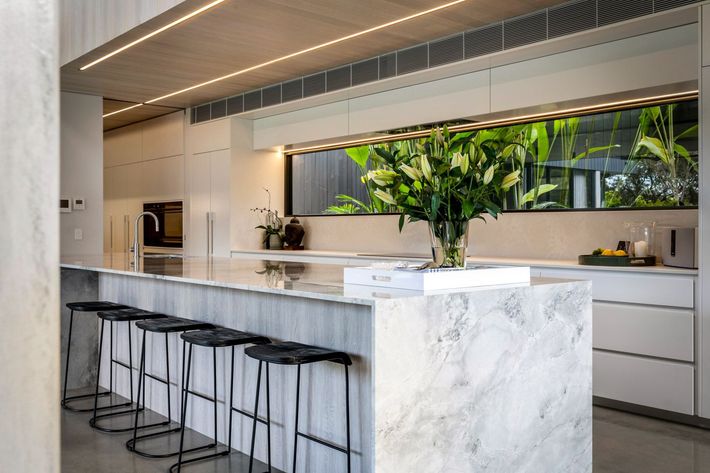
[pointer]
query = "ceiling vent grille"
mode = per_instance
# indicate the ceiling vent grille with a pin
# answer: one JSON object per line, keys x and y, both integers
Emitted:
{"x": 388, "y": 65}
{"x": 365, "y": 71}
{"x": 314, "y": 85}
{"x": 614, "y": 11}
{"x": 337, "y": 79}
{"x": 482, "y": 41}
{"x": 662, "y": 5}
{"x": 571, "y": 18}
{"x": 446, "y": 50}
{"x": 271, "y": 95}
{"x": 412, "y": 59}
{"x": 292, "y": 90}
{"x": 560, "y": 20}
{"x": 525, "y": 30}
{"x": 252, "y": 100}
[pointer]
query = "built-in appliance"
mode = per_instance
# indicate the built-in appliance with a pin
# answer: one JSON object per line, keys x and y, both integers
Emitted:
{"x": 169, "y": 233}
{"x": 679, "y": 247}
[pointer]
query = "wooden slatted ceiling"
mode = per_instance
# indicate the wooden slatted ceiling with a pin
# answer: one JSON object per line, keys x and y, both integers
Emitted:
{"x": 241, "y": 33}
{"x": 137, "y": 114}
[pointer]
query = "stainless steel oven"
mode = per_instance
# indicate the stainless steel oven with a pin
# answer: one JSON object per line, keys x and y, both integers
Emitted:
{"x": 169, "y": 216}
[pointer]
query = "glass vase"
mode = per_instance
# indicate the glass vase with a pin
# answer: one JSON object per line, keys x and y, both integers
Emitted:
{"x": 449, "y": 241}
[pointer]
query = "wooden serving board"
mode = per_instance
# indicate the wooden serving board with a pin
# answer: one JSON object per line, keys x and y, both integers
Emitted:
{"x": 598, "y": 260}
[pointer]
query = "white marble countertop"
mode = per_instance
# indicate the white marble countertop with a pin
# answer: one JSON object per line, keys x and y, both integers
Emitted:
{"x": 309, "y": 280}
{"x": 321, "y": 255}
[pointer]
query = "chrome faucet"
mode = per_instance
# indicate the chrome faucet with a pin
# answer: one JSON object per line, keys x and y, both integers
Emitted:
{"x": 136, "y": 245}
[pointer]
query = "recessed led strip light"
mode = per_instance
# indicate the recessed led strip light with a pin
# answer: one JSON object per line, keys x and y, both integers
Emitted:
{"x": 150, "y": 35}
{"x": 569, "y": 112}
{"x": 122, "y": 110}
{"x": 311, "y": 49}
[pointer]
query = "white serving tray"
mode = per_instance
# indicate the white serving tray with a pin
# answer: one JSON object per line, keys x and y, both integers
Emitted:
{"x": 473, "y": 276}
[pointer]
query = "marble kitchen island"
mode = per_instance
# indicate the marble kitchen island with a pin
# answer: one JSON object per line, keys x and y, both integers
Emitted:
{"x": 494, "y": 379}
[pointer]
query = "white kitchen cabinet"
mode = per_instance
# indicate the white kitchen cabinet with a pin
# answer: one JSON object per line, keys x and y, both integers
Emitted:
{"x": 645, "y": 330}
{"x": 660, "y": 384}
{"x": 209, "y": 203}
{"x": 643, "y": 336}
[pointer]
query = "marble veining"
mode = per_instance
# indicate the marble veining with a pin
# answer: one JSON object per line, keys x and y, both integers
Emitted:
{"x": 485, "y": 382}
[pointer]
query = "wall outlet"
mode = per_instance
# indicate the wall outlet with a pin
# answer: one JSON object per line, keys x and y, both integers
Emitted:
{"x": 78, "y": 234}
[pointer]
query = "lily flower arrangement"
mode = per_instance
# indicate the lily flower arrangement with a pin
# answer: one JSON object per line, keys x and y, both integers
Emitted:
{"x": 446, "y": 180}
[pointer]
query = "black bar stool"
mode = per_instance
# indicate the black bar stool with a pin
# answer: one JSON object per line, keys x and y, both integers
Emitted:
{"x": 120, "y": 315}
{"x": 86, "y": 306}
{"x": 165, "y": 325}
{"x": 292, "y": 353}
{"x": 215, "y": 338}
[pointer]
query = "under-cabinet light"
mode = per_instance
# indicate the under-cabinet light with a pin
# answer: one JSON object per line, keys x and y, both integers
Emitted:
{"x": 308, "y": 50}
{"x": 565, "y": 113}
{"x": 150, "y": 35}
{"x": 122, "y": 110}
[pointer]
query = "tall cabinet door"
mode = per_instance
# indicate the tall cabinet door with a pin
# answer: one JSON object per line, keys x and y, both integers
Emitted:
{"x": 220, "y": 202}
{"x": 200, "y": 188}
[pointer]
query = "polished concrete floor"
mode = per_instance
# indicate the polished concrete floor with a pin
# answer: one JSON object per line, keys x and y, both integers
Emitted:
{"x": 623, "y": 443}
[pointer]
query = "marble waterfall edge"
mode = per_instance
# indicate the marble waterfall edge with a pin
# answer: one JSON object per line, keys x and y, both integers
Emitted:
{"x": 490, "y": 381}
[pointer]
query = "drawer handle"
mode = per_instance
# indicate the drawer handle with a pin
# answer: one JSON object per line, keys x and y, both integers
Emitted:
{"x": 382, "y": 278}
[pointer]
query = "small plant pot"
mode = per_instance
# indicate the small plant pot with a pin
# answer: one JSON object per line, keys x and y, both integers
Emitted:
{"x": 274, "y": 242}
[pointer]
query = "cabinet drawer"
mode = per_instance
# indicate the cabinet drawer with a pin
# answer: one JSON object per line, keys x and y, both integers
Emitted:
{"x": 645, "y": 330}
{"x": 660, "y": 384}
{"x": 633, "y": 288}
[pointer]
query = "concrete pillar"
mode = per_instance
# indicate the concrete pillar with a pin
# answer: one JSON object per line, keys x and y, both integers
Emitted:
{"x": 29, "y": 243}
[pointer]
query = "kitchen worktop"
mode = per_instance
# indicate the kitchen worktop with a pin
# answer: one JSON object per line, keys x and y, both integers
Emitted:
{"x": 494, "y": 379}
{"x": 325, "y": 256}
{"x": 309, "y": 280}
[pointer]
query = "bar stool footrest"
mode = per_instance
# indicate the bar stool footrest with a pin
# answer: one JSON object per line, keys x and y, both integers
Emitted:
{"x": 198, "y": 459}
{"x": 65, "y": 402}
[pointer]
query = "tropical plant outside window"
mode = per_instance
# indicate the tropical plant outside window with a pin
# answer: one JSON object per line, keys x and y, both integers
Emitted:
{"x": 638, "y": 158}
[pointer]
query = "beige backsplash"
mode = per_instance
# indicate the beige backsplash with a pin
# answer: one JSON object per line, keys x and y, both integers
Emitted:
{"x": 553, "y": 235}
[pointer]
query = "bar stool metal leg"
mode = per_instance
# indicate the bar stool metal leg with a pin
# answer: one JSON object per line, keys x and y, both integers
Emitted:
{"x": 256, "y": 412}
{"x": 65, "y": 399}
{"x": 347, "y": 413}
{"x": 295, "y": 432}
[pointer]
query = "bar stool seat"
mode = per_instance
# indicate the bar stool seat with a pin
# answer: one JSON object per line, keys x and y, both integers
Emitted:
{"x": 164, "y": 325}
{"x": 95, "y": 306}
{"x": 219, "y": 337}
{"x": 172, "y": 324}
{"x": 129, "y": 315}
{"x": 222, "y": 337}
{"x": 293, "y": 353}
{"x": 83, "y": 306}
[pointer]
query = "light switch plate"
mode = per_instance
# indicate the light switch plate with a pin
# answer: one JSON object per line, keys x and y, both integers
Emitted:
{"x": 65, "y": 205}
{"x": 79, "y": 203}
{"x": 78, "y": 234}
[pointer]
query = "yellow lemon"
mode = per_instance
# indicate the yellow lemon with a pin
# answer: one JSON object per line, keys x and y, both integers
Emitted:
{"x": 608, "y": 252}
{"x": 620, "y": 253}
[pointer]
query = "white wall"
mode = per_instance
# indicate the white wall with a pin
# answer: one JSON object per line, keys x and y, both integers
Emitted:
{"x": 82, "y": 172}
{"x": 252, "y": 171}
{"x": 29, "y": 241}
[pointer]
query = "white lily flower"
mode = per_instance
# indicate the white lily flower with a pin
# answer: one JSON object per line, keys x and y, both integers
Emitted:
{"x": 511, "y": 179}
{"x": 426, "y": 168}
{"x": 488, "y": 176}
{"x": 385, "y": 197}
{"x": 413, "y": 173}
